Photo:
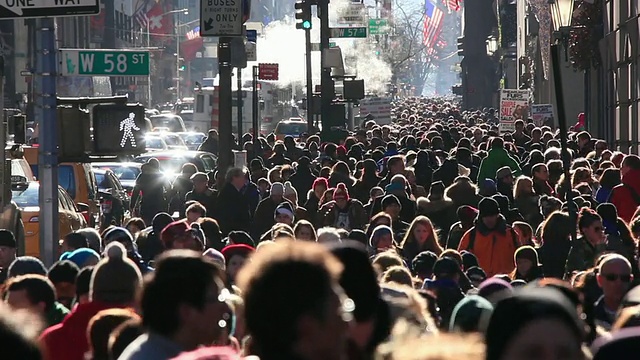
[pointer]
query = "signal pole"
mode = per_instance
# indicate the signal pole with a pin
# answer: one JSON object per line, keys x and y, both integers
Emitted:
{"x": 326, "y": 83}
{"x": 303, "y": 13}
{"x": 225, "y": 108}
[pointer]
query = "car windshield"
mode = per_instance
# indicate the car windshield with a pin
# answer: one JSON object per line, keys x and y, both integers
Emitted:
{"x": 154, "y": 143}
{"x": 193, "y": 139}
{"x": 172, "y": 122}
{"x": 173, "y": 140}
{"x": 291, "y": 128}
{"x": 26, "y": 197}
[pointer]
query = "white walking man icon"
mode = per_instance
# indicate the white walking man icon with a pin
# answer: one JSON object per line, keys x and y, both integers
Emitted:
{"x": 126, "y": 127}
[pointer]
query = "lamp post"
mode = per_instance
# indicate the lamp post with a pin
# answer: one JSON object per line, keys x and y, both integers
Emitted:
{"x": 492, "y": 45}
{"x": 561, "y": 12}
{"x": 184, "y": 11}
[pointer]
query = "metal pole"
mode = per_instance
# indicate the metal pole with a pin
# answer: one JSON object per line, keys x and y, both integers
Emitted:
{"x": 177, "y": 64}
{"x": 240, "y": 105}
{"x": 48, "y": 150}
{"x": 3, "y": 140}
{"x": 225, "y": 106}
{"x": 307, "y": 36}
{"x": 326, "y": 83}
{"x": 149, "y": 76}
{"x": 562, "y": 123}
{"x": 257, "y": 147}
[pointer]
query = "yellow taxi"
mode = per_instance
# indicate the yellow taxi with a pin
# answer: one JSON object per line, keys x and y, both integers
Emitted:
{"x": 26, "y": 196}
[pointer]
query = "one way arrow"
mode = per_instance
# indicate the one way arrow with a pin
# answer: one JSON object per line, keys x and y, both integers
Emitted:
{"x": 208, "y": 25}
{"x": 18, "y": 6}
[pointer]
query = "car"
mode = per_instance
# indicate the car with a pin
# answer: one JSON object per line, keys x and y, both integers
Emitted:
{"x": 171, "y": 161}
{"x": 294, "y": 127}
{"x": 114, "y": 198}
{"x": 70, "y": 216}
{"x": 173, "y": 141}
{"x": 193, "y": 140}
{"x": 173, "y": 122}
{"x": 155, "y": 143}
{"x": 127, "y": 172}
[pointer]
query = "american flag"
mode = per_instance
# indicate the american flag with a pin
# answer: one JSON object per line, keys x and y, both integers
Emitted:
{"x": 193, "y": 33}
{"x": 141, "y": 13}
{"x": 452, "y": 5}
{"x": 432, "y": 23}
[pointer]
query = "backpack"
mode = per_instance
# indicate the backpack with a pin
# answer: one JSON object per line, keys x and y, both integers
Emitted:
{"x": 472, "y": 239}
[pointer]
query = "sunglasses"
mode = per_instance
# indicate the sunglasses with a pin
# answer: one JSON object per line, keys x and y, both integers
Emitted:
{"x": 613, "y": 277}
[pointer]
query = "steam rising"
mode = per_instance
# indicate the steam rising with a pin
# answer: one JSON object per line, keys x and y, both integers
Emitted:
{"x": 282, "y": 43}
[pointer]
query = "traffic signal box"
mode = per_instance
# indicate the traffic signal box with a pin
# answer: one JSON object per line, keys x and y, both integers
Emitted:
{"x": 303, "y": 15}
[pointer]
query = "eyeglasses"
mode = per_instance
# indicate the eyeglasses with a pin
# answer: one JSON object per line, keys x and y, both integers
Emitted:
{"x": 613, "y": 277}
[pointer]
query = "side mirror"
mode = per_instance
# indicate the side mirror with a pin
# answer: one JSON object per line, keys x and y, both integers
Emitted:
{"x": 82, "y": 207}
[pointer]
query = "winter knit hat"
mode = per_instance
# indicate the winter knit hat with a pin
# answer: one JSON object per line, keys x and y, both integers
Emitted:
{"x": 81, "y": 256}
{"x": 243, "y": 250}
{"x": 488, "y": 187}
{"x": 466, "y": 213}
{"x": 216, "y": 256}
{"x": 7, "y": 238}
{"x": 277, "y": 188}
{"x": 320, "y": 181}
{"x": 527, "y": 252}
{"x": 115, "y": 279}
{"x": 471, "y": 314}
{"x": 389, "y": 200}
{"x": 341, "y": 192}
{"x": 494, "y": 289}
{"x": 608, "y": 212}
{"x": 488, "y": 207}
{"x": 284, "y": 208}
{"x": 26, "y": 265}
{"x": 289, "y": 189}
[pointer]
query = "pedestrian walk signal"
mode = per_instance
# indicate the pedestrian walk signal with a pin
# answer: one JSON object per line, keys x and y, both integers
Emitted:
{"x": 118, "y": 129}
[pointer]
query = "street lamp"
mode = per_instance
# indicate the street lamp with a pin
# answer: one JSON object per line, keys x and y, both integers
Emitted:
{"x": 492, "y": 45}
{"x": 184, "y": 11}
{"x": 562, "y": 13}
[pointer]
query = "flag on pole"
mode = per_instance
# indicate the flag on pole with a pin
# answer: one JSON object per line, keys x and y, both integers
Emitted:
{"x": 160, "y": 22}
{"x": 193, "y": 33}
{"x": 432, "y": 23}
{"x": 141, "y": 13}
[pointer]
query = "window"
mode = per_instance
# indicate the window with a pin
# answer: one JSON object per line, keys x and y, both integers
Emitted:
{"x": 26, "y": 197}
{"x": 209, "y": 163}
{"x": 67, "y": 179}
{"x": 200, "y": 103}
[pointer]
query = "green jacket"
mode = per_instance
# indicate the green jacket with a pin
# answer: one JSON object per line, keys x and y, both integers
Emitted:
{"x": 496, "y": 159}
{"x": 582, "y": 256}
{"x": 56, "y": 314}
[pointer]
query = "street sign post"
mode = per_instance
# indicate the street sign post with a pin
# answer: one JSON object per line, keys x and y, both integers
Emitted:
{"x": 221, "y": 18}
{"x": 268, "y": 71}
{"x": 316, "y": 46}
{"x": 378, "y": 26}
{"x": 349, "y": 32}
{"x": 80, "y": 62}
{"x": 12, "y": 9}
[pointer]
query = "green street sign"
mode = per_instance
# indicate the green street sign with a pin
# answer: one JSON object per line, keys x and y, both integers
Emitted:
{"x": 378, "y": 26}
{"x": 81, "y": 62}
{"x": 349, "y": 32}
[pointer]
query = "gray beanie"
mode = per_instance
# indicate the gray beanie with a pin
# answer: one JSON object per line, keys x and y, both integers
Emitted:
{"x": 115, "y": 279}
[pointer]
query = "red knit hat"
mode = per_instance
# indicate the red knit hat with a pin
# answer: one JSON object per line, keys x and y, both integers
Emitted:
{"x": 243, "y": 250}
{"x": 320, "y": 181}
{"x": 341, "y": 192}
{"x": 174, "y": 231}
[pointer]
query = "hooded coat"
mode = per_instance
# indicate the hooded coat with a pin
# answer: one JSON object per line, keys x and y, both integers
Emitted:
{"x": 496, "y": 159}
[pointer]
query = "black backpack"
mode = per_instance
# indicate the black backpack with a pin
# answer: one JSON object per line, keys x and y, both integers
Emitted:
{"x": 472, "y": 239}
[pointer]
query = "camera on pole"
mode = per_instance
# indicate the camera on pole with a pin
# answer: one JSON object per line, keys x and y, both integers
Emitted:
{"x": 303, "y": 13}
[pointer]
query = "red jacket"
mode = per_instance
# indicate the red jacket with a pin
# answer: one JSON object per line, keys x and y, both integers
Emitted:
{"x": 622, "y": 197}
{"x": 68, "y": 340}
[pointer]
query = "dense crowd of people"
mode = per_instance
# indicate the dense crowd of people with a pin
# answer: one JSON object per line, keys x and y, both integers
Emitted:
{"x": 435, "y": 237}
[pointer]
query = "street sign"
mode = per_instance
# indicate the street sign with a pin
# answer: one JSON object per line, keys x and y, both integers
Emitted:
{"x": 268, "y": 71}
{"x": 378, "y": 26}
{"x": 316, "y": 46}
{"x": 89, "y": 62}
{"x": 252, "y": 35}
{"x": 118, "y": 129}
{"x": 12, "y": 9}
{"x": 221, "y": 18}
{"x": 349, "y": 32}
{"x": 352, "y": 14}
{"x": 251, "y": 51}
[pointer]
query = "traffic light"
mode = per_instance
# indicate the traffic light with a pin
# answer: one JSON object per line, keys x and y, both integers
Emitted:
{"x": 118, "y": 129}
{"x": 18, "y": 128}
{"x": 303, "y": 13}
{"x": 73, "y": 146}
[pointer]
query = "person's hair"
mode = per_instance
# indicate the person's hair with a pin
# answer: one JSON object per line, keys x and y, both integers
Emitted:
{"x": 308, "y": 268}
{"x": 581, "y": 174}
{"x": 83, "y": 281}
{"x": 524, "y": 228}
{"x": 76, "y": 240}
{"x": 93, "y": 238}
{"x": 20, "y": 331}
{"x": 385, "y": 260}
{"x": 518, "y": 188}
{"x": 374, "y": 222}
{"x": 37, "y": 287}
{"x": 304, "y": 223}
{"x": 137, "y": 222}
{"x": 198, "y": 208}
{"x": 181, "y": 277}
{"x": 234, "y": 172}
{"x": 610, "y": 178}
{"x": 432, "y": 240}
{"x": 63, "y": 271}
{"x": 632, "y": 161}
{"x": 586, "y": 217}
{"x": 328, "y": 234}
{"x": 394, "y": 160}
{"x": 100, "y": 327}
{"x": 397, "y": 274}
{"x": 123, "y": 335}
